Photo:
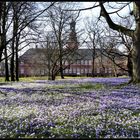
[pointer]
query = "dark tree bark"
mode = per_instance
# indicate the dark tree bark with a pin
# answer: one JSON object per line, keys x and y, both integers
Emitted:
{"x": 53, "y": 77}
{"x": 6, "y": 67}
{"x": 1, "y": 34}
{"x": 130, "y": 65}
{"x": 93, "y": 60}
{"x": 93, "y": 65}
{"x": 17, "y": 59}
{"x": 3, "y": 39}
{"x": 12, "y": 67}
{"x": 61, "y": 63}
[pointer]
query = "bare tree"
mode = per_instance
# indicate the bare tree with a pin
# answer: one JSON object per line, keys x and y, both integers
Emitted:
{"x": 50, "y": 57}
{"x": 93, "y": 33}
{"x": 110, "y": 50}
{"x": 60, "y": 21}
{"x": 5, "y": 10}
{"x": 117, "y": 45}
{"x": 15, "y": 17}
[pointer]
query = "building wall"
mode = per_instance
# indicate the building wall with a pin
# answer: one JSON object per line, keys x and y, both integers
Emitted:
{"x": 85, "y": 68}
{"x": 79, "y": 67}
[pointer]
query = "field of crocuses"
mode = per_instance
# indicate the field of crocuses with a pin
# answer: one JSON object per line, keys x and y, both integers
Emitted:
{"x": 70, "y": 108}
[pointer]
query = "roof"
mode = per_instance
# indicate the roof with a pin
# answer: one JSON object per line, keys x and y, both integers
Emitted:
{"x": 85, "y": 54}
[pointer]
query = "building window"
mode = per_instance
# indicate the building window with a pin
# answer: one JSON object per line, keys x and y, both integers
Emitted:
{"x": 90, "y": 62}
{"x": 66, "y": 71}
{"x": 98, "y": 70}
{"x": 86, "y": 70}
{"x": 78, "y": 62}
{"x": 82, "y": 70}
{"x": 22, "y": 70}
{"x": 70, "y": 70}
{"x": 82, "y": 62}
{"x": 86, "y": 62}
{"x": 66, "y": 63}
{"x": 74, "y": 70}
{"x": 32, "y": 72}
{"x": 110, "y": 69}
{"x": 105, "y": 70}
{"x": 78, "y": 70}
{"x": 90, "y": 70}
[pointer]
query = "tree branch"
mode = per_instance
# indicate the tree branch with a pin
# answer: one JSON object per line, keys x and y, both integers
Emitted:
{"x": 114, "y": 26}
{"x": 82, "y": 9}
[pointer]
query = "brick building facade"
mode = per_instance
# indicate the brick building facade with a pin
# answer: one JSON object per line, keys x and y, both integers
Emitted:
{"x": 31, "y": 64}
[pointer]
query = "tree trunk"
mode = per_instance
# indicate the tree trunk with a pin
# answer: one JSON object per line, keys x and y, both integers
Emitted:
{"x": 136, "y": 60}
{"x": 1, "y": 46}
{"x": 17, "y": 66}
{"x": 61, "y": 70}
{"x": 12, "y": 66}
{"x": 61, "y": 63}
{"x": 130, "y": 65}
{"x": 49, "y": 74}
{"x": 17, "y": 62}
{"x": 53, "y": 76}
{"x": 3, "y": 41}
{"x": 115, "y": 70}
{"x": 136, "y": 45}
{"x": 93, "y": 65}
{"x": 6, "y": 67}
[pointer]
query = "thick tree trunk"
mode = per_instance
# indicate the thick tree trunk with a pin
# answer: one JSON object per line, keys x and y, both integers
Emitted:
{"x": 61, "y": 72}
{"x": 136, "y": 61}
{"x": 49, "y": 75}
{"x": 130, "y": 65}
{"x": 136, "y": 45}
{"x": 53, "y": 76}
{"x": 115, "y": 70}
{"x": 1, "y": 47}
{"x": 4, "y": 41}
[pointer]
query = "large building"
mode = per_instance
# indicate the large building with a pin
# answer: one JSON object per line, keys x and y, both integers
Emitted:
{"x": 34, "y": 63}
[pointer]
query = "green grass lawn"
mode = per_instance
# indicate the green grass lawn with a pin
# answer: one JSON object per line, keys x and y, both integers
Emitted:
{"x": 31, "y": 79}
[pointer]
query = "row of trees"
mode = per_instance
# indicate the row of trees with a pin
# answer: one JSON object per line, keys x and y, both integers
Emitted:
{"x": 20, "y": 23}
{"x": 59, "y": 22}
{"x": 16, "y": 28}
{"x": 131, "y": 31}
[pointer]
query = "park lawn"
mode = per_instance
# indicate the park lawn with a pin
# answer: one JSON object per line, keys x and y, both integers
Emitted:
{"x": 71, "y": 108}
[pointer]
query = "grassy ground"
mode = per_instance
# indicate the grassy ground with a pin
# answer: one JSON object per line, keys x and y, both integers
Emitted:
{"x": 70, "y": 108}
{"x": 30, "y": 79}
